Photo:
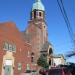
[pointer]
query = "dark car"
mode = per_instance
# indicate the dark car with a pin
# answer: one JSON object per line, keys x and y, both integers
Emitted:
{"x": 43, "y": 71}
{"x": 59, "y": 71}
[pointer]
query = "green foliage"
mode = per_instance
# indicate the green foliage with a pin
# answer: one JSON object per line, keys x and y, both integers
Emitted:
{"x": 42, "y": 61}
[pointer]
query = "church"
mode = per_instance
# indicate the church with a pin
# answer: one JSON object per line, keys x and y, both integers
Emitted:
{"x": 19, "y": 51}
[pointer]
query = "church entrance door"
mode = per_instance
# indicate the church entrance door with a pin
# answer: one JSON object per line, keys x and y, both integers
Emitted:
{"x": 8, "y": 67}
{"x": 7, "y": 70}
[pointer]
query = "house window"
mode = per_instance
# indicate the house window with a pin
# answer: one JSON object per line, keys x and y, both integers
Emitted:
{"x": 27, "y": 67}
{"x": 19, "y": 66}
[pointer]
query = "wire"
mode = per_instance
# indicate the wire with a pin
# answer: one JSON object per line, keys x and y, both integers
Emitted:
{"x": 68, "y": 25}
{"x": 64, "y": 14}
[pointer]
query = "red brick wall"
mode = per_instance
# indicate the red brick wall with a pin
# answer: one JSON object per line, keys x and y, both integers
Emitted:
{"x": 36, "y": 31}
{"x": 9, "y": 33}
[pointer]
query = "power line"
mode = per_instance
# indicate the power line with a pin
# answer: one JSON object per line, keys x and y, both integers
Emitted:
{"x": 64, "y": 14}
{"x": 68, "y": 25}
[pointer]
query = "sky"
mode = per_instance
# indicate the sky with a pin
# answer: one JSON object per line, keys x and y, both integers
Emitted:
{"x": 18, "y": 11}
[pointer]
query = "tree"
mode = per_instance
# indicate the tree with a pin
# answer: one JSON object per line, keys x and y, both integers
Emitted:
{"x": 42, "y": 61}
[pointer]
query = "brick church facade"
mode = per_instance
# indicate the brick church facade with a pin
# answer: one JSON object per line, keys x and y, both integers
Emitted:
{"x": 20, "y": 50}
{"x": 37, "y": 29}
{"x": 13, "y": 50}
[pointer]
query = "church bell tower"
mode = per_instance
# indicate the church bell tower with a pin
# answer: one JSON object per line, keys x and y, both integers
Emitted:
{"x": 38, "y": 11}
{"x": 37, "y": 29}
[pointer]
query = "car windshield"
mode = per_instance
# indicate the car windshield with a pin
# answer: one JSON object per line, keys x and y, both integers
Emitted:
{"x": 55, "y": 72}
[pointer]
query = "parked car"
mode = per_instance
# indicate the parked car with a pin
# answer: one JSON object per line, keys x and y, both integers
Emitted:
{"x": 43, "y": 71}
{"x": 59, "y": 71}
{"x": 55, "y": 71}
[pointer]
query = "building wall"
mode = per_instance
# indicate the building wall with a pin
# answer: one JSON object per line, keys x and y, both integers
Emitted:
{"x": 58, "y": 60}
{"x": 10, "y": 34}
{"x": 38, "y": 36}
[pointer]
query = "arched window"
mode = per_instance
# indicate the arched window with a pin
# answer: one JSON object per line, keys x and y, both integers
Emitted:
{"x": 19, "y": 66}
{"x": 32, "y": 57}
{"x": 50, "y": 51}
{"x": 34, "y": 14}
{"x": 40, "y": 14}
{"x": 49, "y": 61}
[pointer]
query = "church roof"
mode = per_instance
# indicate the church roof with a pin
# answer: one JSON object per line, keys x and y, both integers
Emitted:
{"x": 38, "y": 6}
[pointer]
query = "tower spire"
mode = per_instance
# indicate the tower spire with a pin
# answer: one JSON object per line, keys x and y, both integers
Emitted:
{"x": 37, "y": 10}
